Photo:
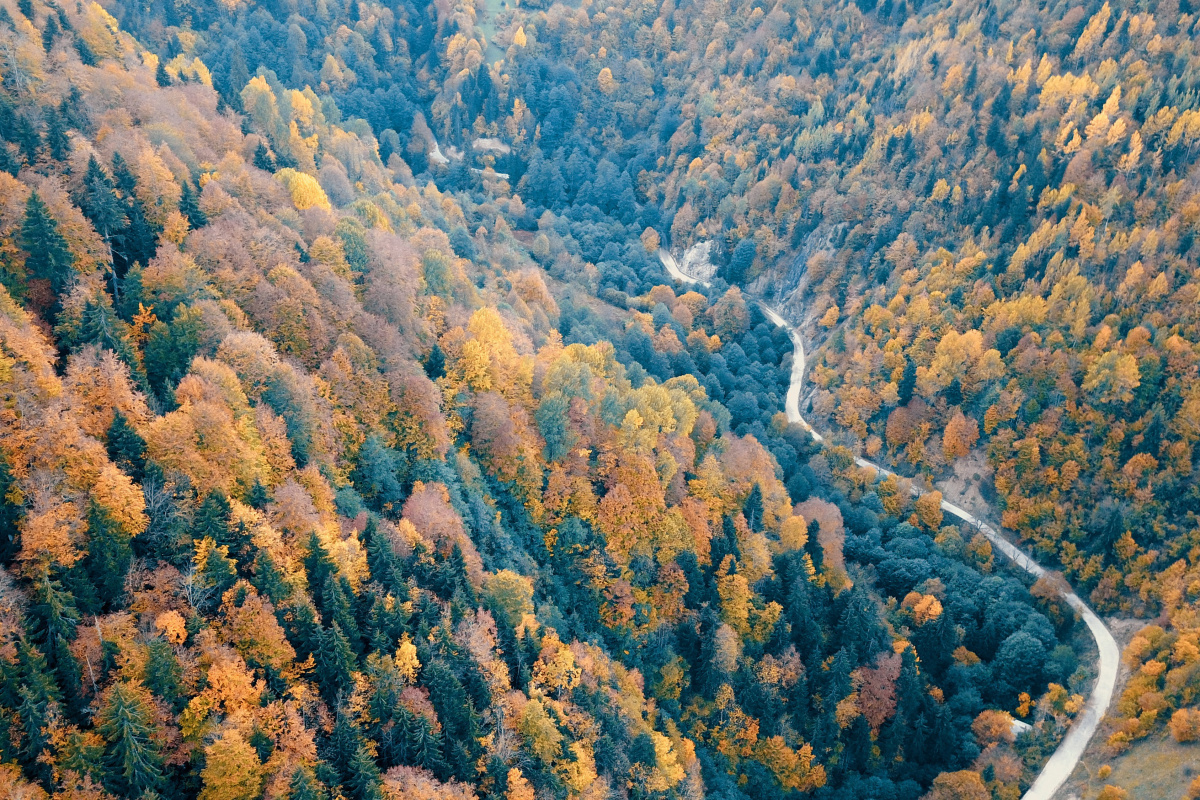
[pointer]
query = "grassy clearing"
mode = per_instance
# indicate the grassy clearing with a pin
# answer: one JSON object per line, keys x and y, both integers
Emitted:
{"x": 1157, "y": 768}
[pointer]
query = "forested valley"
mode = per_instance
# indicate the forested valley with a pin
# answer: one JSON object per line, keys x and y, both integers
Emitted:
{"x": 356, "y": 444}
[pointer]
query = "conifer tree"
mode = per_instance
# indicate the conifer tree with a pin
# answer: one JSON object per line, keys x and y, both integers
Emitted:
{"x": 304, "y": 786}
{"x": 49, "y": 32}
{"x": 262, "y": 157}
{"x": 163, "y": 674}
{"x": 109, "y": 553}
{"x": 317, "y": 562}
{"x": 335, "y": 662}
{"x": 56, "y": 135}
{"x": 126, "y": 447}
{"x": 335, "y": 598}
{"x": 258, "y": 496}
{"x": 212, "y": 518}
{"x": 364, "y": 781}
{"x": 29, "y": 140}
{"x": 127, "y": 723}
{"x": 49, "y": 257}
{"x": 753, "y": 508}
{"x": 189, "y": 205}
{"x": 268, "y": 579}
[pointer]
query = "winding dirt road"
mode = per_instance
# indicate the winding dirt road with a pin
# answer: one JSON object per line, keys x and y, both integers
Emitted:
{"x": 1060, "y": 766}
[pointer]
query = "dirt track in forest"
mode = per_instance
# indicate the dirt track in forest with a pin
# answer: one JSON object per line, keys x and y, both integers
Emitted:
{"x": 1060, "y": 766}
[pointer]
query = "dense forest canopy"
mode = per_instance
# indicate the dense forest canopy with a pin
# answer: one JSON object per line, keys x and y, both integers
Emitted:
{"x": 355, "y": 443}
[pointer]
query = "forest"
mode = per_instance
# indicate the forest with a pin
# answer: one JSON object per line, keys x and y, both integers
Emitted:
{"x": 356, "y": 445}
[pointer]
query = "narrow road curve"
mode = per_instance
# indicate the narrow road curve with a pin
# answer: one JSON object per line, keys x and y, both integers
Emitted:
{"x": 1060, "y": 766}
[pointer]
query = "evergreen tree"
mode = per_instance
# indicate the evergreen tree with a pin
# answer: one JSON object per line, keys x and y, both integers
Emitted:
{"x": 813, "y": 546}
{"x": 54, "y": 618}
{"x": 123, "y": 178}
{"x": 317, "y": 563}
{"x": 163, "y": 674}
{"x": 262, "y": 158}
{"x": 268, "y": 579}
{"x": 86, "y": 55}
{"x": 258, "y": 496}
{"x": 212, "y": 518}
{"x": 101, "y": 205}
{"x": 8, "y": 163}
{"x": 375, "y": 475}
{"x": 189, "y": 206}
{"x": 49, "y": 32}
{"x": 215, "y": 567}
{"x": 109, "y": 553}
{"x": 100, "y": 325}
{"x": 753, "y": 508}
{"x": 304, "y": 786}
{"x": 56, "y": 135}
{"x": 335, "y": 598}
{"x": 49, "y": 257}
{"x": 364, "y": 780}
{"x": 335, "y": 663}
{"x": 29, "y": 140}
{"x": 127, "y": 723}
{"x": 126, "y": 447}
{"x": 10, "y": 516}
{"x": 908, "y": 382}
{"x": 161, "y": 76}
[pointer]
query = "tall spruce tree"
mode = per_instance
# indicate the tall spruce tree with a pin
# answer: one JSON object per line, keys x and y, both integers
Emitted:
{"x": 109, "y": 553}
{"x": 49, "y": 257}
{"x": 126, "y": 721}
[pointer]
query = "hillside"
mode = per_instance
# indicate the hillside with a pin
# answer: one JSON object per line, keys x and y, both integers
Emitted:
{"x": 355, "y": 444}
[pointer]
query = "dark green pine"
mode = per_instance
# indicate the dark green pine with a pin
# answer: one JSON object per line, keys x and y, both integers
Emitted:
{"x": 49, "y": 257}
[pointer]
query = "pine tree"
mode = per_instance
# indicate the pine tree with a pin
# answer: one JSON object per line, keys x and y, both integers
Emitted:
{"x": 126, "y": 722}
{"x": 161, "y": 76}
{"x": 268, "y": 579}
{"x": 7, "y": 162}
{"x": 29, "y": 140}
{"x": 908, "y": 382}
{"x": 49, "y": 33}
{"x": 86, "y": 54}
{"x": 262, "y": 158}
{"x": 109, "y": 553}
{"x": 212, "y": 518}
{"x": 813, "y": 546}
{"x": 365, "y": 782}
{"x": 335, "y": 663}
{"x": 215, "y": 567}
{"x": 56, "y": 135}
{"x": 34, "y": 714}
{"x": 49, "y": 257}
{"x": 753, "y": 508}
{"x": 10, "y": 516}
{"x": 304, "y": 786}
{"x": 163, "y": 674}
{"x": 106, "y": 211}
{"x": 55, "y": 618}
{"x": 258, "y": 496}
{"x": 317, "y": 562}
{"x": 123, "y": 177}
{"x": 189, "y": 206}
{"x": 343, "y": 742}
{"x": 335, "y": 599}
{"x": 126, "y": 447}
